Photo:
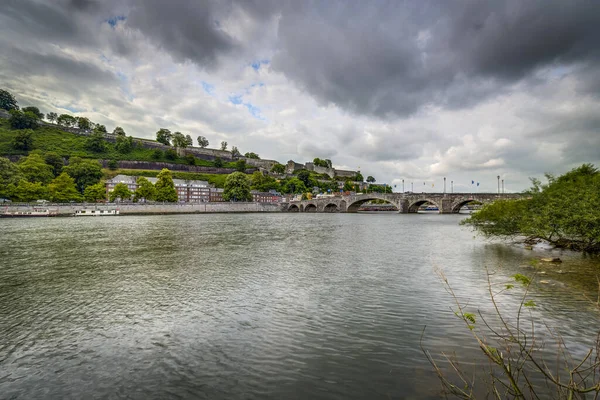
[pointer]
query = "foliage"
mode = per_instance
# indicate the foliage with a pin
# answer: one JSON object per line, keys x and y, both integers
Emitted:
{"x": 263, "y": 183}
{"x": 23, "y": 120}
{"x": 223, "y": 145}
{"x": 118, "y": 131}
{"x": 124, "y": 144}
{"x": 51, "y": 116}
{"x": 145, "y": 190}
{"x": 380, "y": 188}
{"x": 34, "y": 169}
{"x": 294, "y": 186}
{"x": 512, "y": 348}
{"x": 563, "y": 212}
{"x": 321, "y": 163}
{"x": 359, "y": 177}
{"x": 85, "y": 172}
{"x": 202, "y": 141}
{"x": 218, "y": 180}
{"x": 157, "y": 154}
{"x": 190, "y": 159}
{"x": 96, "y": 142}
{"x": 179, "y": 140}
{"x": 84, "y": 123}
{"x": 99, "y": 128}
{"x": 66, "y": 120}
{"x": 349, "y": 186}
{"x": 34, "y": 110}
{"x": 29, "y": 191}
{"x": 252, "y": 155}
{"x": 120, "y": 191}
{"x": 237, "y": 187}
{"x": 164, "y": 136}
{"x": 165, "y": 188}
{"x": 10, "y": 174}
{"x": 95, "y": 192}
{"x": 112, "y": 165}
{"x": 218, "y": 162}
{"x": 23, "y": 140}
{"x": 240, "y": 165}
{"x": 7, "y": 101}
{"x": 55, "y": 161}
{"x": 307, "y": 179}
{"x": 62, "y": 189}
{"x": 171, "y": 154}
{"x": 189, "y": 141}
{"x": 370, "y": 179}
{"x": 235, "y": 153}
{"x": 278, "y": 169}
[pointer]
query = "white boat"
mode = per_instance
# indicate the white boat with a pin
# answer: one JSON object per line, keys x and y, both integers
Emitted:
{"x": 35, "y": 212}
{"x": 96, "y": 213}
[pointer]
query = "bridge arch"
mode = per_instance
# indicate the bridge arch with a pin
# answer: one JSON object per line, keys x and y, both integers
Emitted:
{"x": 357, "y": 203}
{"x": 310, "y": 207}
{"x": 331, "y": 208}
{"x": 414, "y": 206}
{"x": 460, "y": 203}
{"x": 293, "y": 208}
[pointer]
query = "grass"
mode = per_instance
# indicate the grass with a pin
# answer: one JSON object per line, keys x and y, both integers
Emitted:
{"x": 214, "y": 179}
{"x": 67, "y": 144}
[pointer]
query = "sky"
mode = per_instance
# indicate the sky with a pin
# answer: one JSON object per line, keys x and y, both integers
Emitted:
{"x": 411, "y": 90}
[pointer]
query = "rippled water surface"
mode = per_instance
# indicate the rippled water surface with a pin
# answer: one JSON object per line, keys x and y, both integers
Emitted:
{"x": 281, "y": 306}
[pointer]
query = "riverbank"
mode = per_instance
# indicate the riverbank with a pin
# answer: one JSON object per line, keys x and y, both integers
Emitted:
{"x": 66, "y": 210}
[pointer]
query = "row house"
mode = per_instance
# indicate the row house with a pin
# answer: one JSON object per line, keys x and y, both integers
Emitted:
{"x": 265, "y": 197}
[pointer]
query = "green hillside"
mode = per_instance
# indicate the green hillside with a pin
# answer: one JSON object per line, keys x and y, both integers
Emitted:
{"x": 215, "y": 179}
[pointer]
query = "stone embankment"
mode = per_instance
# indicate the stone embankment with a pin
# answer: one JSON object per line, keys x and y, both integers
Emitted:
{"x": 65, "y": 210}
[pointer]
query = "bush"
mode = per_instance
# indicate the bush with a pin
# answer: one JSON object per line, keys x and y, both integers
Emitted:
{"x": 171, "y": 154}
{"x": 157, "y": 154}
{"x": 112, "y": 165}
{"x": 190, "y": 159}
{"x": 23, "y": 140}
{"x": 218, "y": 162}
{"x": 23, "y": 120}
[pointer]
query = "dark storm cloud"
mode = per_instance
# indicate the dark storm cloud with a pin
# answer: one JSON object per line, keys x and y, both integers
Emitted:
{"x": 389, "y": 58}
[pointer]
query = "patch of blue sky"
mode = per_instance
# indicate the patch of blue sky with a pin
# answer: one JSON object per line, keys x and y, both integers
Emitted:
{"x": 113, "y": 21}
{"x": 72, "y": 109}
{"x": 236, "y": 99}
{"x": 125, "y": 88}
{"x": 256, "y": 64}
{"x": 255, "y": 111}
{"x": 208, "y": 88}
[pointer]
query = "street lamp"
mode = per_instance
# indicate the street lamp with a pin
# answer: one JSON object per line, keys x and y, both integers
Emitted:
{"x": 444, "y": 185}
{"x": 402, "y": 185}
{"x": 412, "y": 187}
{"x": 498, "y": 184}
{"x": 451, "y": 186}
{"x": 502, "y": 186}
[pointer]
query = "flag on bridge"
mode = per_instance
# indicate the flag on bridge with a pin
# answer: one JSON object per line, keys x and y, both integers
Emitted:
{"x": 472, "y": 182}
{"x": 477, "y": 183}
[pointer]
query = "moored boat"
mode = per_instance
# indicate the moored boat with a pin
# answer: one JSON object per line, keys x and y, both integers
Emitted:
{"x": 96, "y": 213}
{"x": 35, "y": 212}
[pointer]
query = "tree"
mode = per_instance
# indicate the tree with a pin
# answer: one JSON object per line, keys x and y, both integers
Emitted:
{"x": 359, "y": 177}
{"x": 202, "y": 141}
{"x": 62, "y": 189}
{"x": 55, "y": 161}
{"x": 171, "y": 154}
{"x": 84, "y": 123}
{"x": 294, "y": 186}
{"x": 224, "y": 145}
{"x": 10, "y": 174}
{"x": 218, "y": 162}
{"x": 262, "y": 182}
{"x": 66, "y": 120}
{"x": 252, "y": 155}
{"x": 237, "y": 187}
{"x": 370, "y": 179}
{"x": 322, "y": 163}
{"x": 145, "y": 190}
{"x": 563, "y": 212}
{"x": 34, "y": 169}
{"x": 235, "y": 153}
{"x": 190, "y": 159}
{"x": 94, "y": 193}
{"x": 85, "y": 172}
{"x": 189, "y": 141}
{"x": 112, "y": 165}
{"x": 95, "y": 142}
{"x": 23, "y": 120}
{"x": 349, "y": 186}
{"x": 328, "y": 162}
{"x": 23, "y": 140}
{"x": 120, "y": 191}
{"x": 51, "y": 116}
{"x": 305, "y": 177}
{"x": 118, "y": 131}
{"x": 156, "y": 154}
{"x": 165, "y": 188}
{"x": 240, "y": 165}
{"x": 124, "y": 144}
{"x": 99, "y": 128}
{"x": 164, "y": 136}
{"x": 30, "y": 191}
{"x": 7, "y": 101}
{"x": 278, "y": 169}
{"x": 33, "y": 110}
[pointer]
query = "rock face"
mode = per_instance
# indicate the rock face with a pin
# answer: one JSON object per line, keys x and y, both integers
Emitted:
{"x": 551, "y": 259}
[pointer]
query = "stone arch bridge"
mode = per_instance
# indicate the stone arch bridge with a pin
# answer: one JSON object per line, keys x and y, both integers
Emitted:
{"x": 447, "y": 203}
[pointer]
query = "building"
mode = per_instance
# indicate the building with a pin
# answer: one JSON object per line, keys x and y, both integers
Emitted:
{"x": 189, "y": 191}
{"x": 216, "y": 195}
{"x": 265, "y": 197}
{"x": 130, "y": 181}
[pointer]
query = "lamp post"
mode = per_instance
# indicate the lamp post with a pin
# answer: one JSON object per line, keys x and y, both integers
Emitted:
{"x": 498, "y": 184}
{"x": 402, "y": 185}
{"x": 444, "y": 185}
{"x": 502, "y": 186}
{"x": 412, "y": 188}
{"x": 451, "y": 186}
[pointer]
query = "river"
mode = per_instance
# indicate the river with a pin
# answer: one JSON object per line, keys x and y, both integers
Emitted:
{"x": 253, "y": 306}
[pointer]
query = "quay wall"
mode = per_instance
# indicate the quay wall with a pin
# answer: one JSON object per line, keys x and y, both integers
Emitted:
{"x": 145, "y": 209}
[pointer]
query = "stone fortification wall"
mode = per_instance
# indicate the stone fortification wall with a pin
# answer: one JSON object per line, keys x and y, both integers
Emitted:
{"x": 345, "y": 174}
{"x": 143, "y": 209}
{"x": 157, "y": 166}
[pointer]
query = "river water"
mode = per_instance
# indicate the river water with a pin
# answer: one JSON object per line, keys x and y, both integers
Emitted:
{"x": 252, "y": 306}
